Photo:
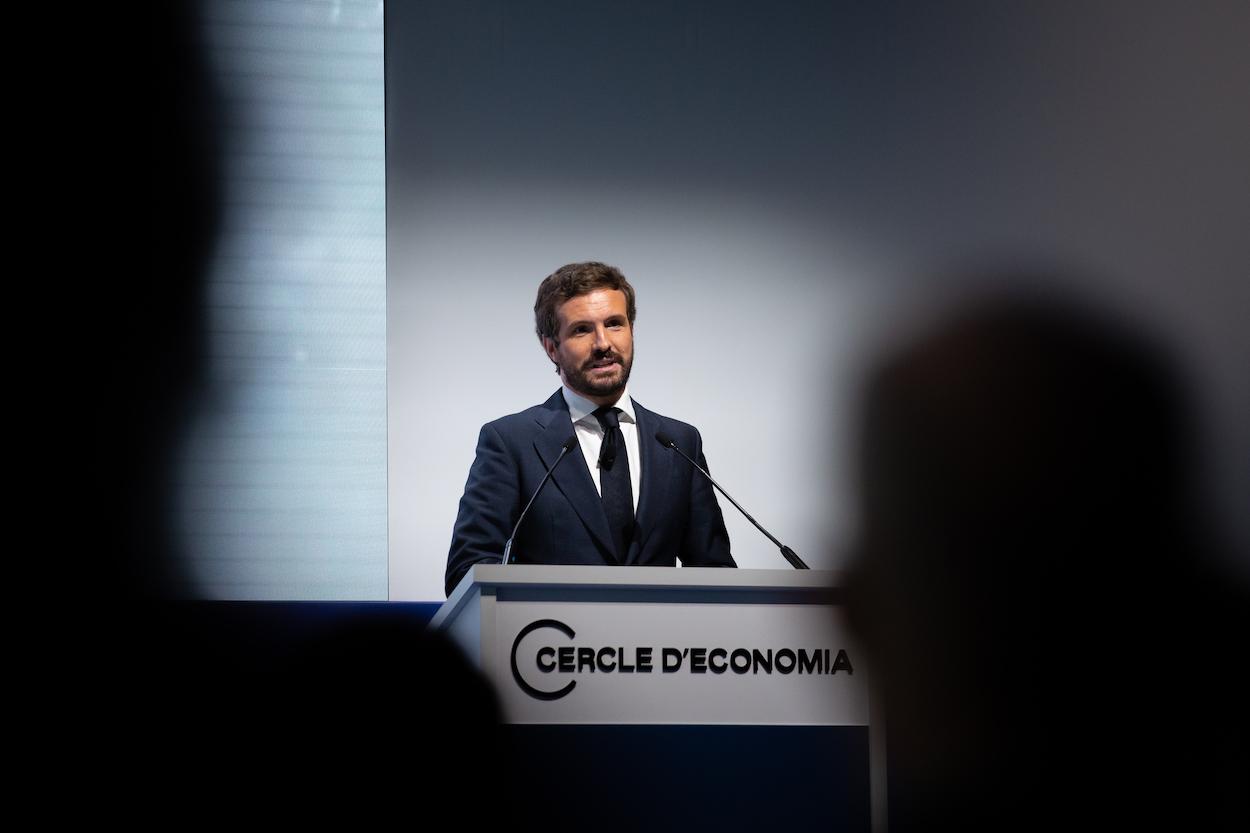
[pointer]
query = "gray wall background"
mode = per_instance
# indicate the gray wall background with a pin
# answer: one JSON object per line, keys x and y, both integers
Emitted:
{"x": 780, "y": 181}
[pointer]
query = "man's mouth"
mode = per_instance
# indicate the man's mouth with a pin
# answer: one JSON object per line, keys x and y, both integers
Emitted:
{"x": 598, "y": 364}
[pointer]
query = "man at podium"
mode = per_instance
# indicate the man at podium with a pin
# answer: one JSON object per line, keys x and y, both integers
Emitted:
{"x": 622, "y": 496}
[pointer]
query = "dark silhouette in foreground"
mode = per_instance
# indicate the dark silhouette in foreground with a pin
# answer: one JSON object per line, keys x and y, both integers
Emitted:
{"x": 1033, "y": 581}
{"x": 220, "y": 709}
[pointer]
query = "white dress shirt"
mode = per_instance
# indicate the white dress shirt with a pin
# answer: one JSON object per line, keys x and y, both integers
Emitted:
{"x": 590, "y": 436}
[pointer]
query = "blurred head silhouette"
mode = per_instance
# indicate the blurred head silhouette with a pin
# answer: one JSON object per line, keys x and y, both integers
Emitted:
{"x": 1027, "y": 580}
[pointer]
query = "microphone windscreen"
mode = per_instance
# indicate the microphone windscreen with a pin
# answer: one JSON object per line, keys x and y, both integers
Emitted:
{"x": 570, "y": 442}
{"x": 665, "y": 439}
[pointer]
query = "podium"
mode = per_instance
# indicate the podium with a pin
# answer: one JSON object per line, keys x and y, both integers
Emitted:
{"x": 744, "y": 681}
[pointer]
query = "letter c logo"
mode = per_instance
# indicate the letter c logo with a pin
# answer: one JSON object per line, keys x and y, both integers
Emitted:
{"x": 516, "y": 672}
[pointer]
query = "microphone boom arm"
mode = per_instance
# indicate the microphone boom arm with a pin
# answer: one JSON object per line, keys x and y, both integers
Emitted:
{"x": 790, "y": 555}
{"x": 564, "y": 449}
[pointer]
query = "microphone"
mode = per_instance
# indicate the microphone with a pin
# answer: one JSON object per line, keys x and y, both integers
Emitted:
{"x": 564, "y": 449}
{"x": 790, "y": 555}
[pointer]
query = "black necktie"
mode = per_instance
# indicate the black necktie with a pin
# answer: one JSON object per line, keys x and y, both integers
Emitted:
{"x": 614, "y": 484}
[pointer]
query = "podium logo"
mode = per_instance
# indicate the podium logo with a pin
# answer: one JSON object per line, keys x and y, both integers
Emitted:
{"x": 538, "y": 694}
{"x": 641, "y": 659}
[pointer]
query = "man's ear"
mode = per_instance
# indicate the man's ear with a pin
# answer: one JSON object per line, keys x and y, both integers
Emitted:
{"x": 550, "y": 345}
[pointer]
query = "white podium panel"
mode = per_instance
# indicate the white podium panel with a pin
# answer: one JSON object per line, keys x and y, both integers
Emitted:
{"x": 654, "y": 645}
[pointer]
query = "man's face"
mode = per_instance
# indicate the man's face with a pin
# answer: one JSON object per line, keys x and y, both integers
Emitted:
{"x": 595, "y": 348}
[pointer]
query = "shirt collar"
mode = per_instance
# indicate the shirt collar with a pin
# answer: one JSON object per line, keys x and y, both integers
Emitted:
{"x": 581, "y": 408}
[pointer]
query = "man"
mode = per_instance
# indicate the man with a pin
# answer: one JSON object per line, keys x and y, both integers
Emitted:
{"x": 620, "y": 497}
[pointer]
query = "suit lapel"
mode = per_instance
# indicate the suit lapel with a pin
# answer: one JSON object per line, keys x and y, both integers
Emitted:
{"x": 657, "y": 466}
{"x": 572, "y": 477}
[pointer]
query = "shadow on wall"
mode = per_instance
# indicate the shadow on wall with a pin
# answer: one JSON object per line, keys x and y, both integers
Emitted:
{"x": 1034, "y": 579}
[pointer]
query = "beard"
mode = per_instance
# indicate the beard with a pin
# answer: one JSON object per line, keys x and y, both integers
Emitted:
{"x": 584, "y": 381}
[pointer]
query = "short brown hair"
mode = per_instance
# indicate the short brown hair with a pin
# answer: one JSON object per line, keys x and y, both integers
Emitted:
{"x": 573, "y": 280}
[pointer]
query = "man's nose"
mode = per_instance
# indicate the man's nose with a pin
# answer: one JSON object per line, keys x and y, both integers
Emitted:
{"x": 601, "y": 339}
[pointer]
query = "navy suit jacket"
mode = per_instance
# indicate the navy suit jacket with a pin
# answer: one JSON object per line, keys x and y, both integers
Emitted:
{"x": 677, "y": 514}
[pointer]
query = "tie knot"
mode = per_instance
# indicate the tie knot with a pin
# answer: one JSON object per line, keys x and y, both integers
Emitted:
{"x": 608, "y": 417}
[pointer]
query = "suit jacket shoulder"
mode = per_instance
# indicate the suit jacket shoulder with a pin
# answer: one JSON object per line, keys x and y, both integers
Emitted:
{"x": 535, "y": 418}
{"x": 673, "y": 427}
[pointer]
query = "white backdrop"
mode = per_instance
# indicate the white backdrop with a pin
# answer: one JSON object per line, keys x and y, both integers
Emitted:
{"x": 778, "y": 179}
